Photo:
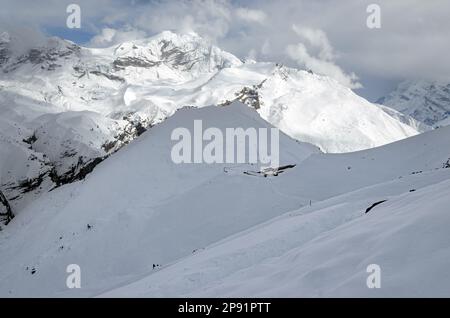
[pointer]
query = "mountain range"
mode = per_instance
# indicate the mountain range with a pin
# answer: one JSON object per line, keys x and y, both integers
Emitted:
{"x": 65, "y": 107}
{"x": 86, "y": 178}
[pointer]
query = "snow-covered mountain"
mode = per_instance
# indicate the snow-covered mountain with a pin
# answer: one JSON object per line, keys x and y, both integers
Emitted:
{"x": 140, "y": 225}
{"x": 426, "y": 101}
{"x": 65, "y": 108}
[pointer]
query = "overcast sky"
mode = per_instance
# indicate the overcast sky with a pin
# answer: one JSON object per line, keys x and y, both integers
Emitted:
{"x": 330, "y": 37}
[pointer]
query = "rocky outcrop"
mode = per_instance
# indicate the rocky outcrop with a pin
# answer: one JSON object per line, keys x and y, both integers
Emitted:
{"x": 76, "y": 173}
{"x": 6, "y": 214}
{"x": 250, "y": 97}
{"x": 447, "y": 164}
{"x": 124, "y": 62}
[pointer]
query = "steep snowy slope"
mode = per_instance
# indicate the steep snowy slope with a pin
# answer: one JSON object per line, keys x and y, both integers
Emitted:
{"x": 324, "y": 249}
{"x": 318, "y": 110}
{"x": 138, "y": 209}
{"x": 406, "y": 119}
{"x": 73, "y": 106}
{"x": 426, "y": 101}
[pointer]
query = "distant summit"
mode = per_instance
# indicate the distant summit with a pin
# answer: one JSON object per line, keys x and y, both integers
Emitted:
{"x": 426, "y": 101}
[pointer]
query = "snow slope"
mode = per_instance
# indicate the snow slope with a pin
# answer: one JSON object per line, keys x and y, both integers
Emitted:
{"x": 426, "y": 101}
{"x": 322, "y": 253}
{"x": 143, "y": 210}
{"x": 406, "y": 119}
{"x": 215, "y": 230}
{"x": 318, "y": 110}
{"x": 71, "y": 106}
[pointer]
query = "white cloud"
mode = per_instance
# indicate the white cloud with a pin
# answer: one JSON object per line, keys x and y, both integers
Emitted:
{"x": 251, "y": 15}
{"x": 316, "y": 38}
{"x": 324, "y": 63}
{"x": 109, "y": 37}
{"x": 209, "y": 18}
{"x": 266, "y": 48}
{"x": 22, "y": 39}
{"x": 299, "y": 53}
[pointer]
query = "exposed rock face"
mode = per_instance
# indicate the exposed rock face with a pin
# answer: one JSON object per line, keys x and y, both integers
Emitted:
{"x": 4, "y": 48}
{"x": 124, "y": 62}
{"x": 77, "y": 173}
{"x": 250, "y": 97}
{"x": 447, "y": 164}
{"x": 6, "y": 213}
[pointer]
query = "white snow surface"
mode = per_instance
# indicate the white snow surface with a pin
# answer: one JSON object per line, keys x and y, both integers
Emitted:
{"x": 322, "y": 253}
{"x": 219, "y": 232}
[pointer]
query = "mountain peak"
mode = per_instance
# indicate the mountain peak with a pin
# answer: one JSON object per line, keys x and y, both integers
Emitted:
{"x": 183, "y": 52}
